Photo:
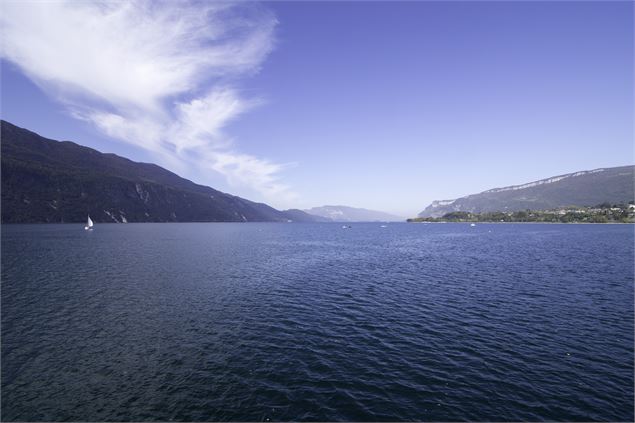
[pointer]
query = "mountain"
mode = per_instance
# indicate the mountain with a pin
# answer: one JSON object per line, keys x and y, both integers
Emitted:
{"x": 296, "y": 215}
{"x": 585, "y": 188}
{"x": 51, "y": 181}
{"x": 351, "y": 214}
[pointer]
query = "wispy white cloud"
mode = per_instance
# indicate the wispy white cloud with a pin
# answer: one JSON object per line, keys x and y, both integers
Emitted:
{"x": 159, "y": 75}
{"x": 203, "y": 118}
{"x": 251, "y": 171}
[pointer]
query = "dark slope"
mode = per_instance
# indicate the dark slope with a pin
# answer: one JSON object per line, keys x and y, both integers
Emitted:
{"x": 51, "y": 181}
{"x": 585, "y": 188}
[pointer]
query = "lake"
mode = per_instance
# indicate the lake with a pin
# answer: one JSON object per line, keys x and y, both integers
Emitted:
{"x": 271, "y": 321}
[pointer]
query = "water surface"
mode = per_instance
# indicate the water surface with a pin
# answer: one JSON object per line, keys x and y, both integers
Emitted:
{"x": 200, "y": 322}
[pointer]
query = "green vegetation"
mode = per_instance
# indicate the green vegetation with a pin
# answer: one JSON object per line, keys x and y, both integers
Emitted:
{"x": 602, "y": 213}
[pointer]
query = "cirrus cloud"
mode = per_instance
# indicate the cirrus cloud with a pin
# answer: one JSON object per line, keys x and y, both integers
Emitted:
{"x": 158, "y": 75}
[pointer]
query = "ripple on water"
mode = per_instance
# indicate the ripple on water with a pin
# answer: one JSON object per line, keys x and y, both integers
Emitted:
{"x": 200, "y": 322}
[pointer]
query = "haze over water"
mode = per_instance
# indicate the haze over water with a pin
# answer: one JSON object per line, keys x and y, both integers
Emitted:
{"x": 199, "y": 322}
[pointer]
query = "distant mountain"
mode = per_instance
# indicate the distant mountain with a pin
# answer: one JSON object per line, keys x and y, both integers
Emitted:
{"x": 351, "y": 214}
{"x": 52, "y": 181}
{"x": 585, "y": 188}
{"x": 296, "y": 215}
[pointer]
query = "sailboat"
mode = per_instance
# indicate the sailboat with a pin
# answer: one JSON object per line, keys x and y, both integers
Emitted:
{"x": 89, "y": 224}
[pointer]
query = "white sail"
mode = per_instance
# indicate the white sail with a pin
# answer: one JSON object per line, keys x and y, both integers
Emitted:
{"x": 89, "y": 224}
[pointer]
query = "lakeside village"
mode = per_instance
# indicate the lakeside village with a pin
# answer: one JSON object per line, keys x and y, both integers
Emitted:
{"x": 602, "y": 213}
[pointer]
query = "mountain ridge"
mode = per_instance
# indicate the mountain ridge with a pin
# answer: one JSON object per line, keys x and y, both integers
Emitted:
{"x": 582, "y": 188}
{"x": 352, "y": 214}
{"x": 44, "y": 180}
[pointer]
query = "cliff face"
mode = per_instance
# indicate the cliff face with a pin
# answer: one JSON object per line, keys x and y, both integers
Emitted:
{"x": 585, "y": 188}
{"x": 51, "y": 181}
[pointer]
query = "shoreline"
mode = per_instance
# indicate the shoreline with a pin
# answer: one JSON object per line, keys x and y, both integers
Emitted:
{"x": 312, "y": 223}
{"x": 550, "y": 223}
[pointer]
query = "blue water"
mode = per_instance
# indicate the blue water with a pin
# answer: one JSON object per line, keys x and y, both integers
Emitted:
{"x": 199, "y": 322}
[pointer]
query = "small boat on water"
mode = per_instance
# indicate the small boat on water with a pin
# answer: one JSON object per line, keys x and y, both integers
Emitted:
{"x": 472, "y": 224}
{"x": 346, "y": 226}
{"x": 89, "y": 224}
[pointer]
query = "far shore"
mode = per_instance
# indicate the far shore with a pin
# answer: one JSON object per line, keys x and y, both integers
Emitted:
{"x": 336, "y": 223}
{"x": 533, "y": 223}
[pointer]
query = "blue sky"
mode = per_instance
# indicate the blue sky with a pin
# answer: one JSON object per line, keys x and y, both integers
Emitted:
{"x": 382, "y": 105}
